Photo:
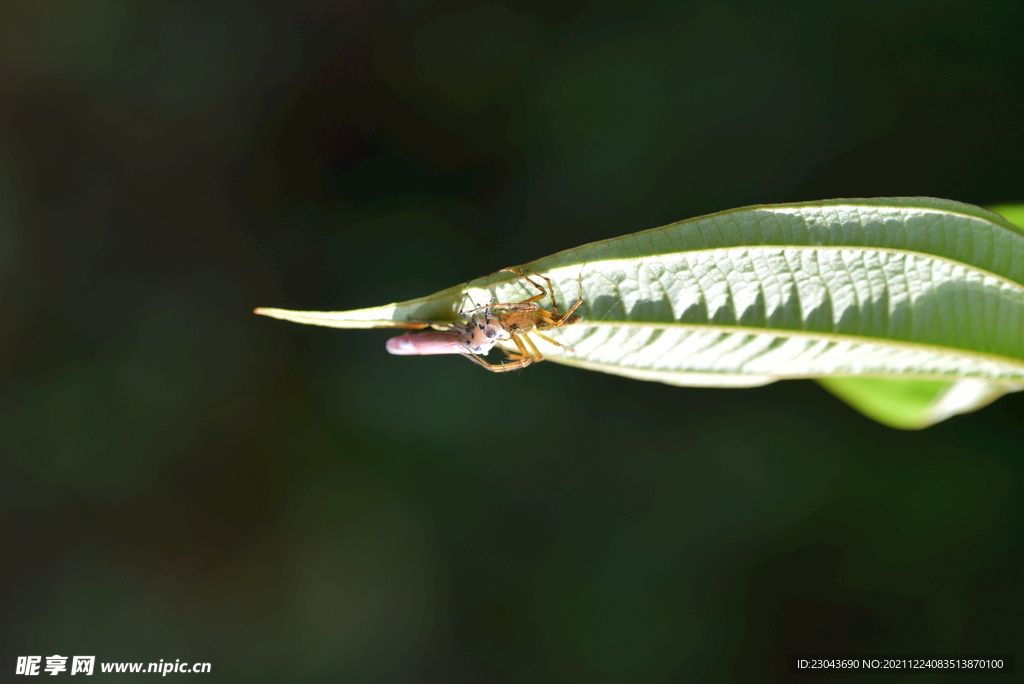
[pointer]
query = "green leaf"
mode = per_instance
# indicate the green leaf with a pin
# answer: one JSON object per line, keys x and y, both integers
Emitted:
{"x": 902, "y": 289}
{"x": 915, "y": 404}
{"x": 912, "y": 404}
{"x": 1014, "y": 213}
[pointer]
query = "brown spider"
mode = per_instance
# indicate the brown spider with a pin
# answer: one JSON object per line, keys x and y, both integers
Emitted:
{"x": 496, "y": 322}
{"x": 523, "y": 318}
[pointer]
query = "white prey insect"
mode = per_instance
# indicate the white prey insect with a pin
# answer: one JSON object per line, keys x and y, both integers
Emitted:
{"x": 477, "y": 335}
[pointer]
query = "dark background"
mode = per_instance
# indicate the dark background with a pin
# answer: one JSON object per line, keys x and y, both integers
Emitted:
{"x": 180, "y": 479}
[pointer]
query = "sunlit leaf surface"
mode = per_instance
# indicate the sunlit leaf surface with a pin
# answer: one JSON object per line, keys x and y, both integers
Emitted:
{"x": 912, "y": 289}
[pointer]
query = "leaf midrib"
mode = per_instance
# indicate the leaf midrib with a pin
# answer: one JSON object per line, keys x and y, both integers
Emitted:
{"x": 940, "y": 350}
{"x": 598, "y": 365}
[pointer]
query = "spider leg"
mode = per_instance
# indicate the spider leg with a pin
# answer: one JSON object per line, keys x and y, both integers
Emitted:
{"x": 550, "y": 290}
{"x": 500, "y": 367}
{"x": 521, "y": 274}
{"x": 553, "y": 320}
{"x": 551, "y": 317}
{"x": 554, "y": 342}
{"x": 579, "y": 300}
{"x": 525, "y": 305}
{"x": 561, "y": 319}
{"x": 522, "y": 360}
{"x": 535, "y": 355}
{"x": 515, "y": 356}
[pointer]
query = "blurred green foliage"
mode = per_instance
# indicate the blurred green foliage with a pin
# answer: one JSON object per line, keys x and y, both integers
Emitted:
{"x": 182, "y": 479}
{"x": 1014, "y": 213}
{"x": 899, "y": 403}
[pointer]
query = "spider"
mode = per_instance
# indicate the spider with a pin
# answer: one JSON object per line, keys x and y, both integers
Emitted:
{"x": 495, "y": 322}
